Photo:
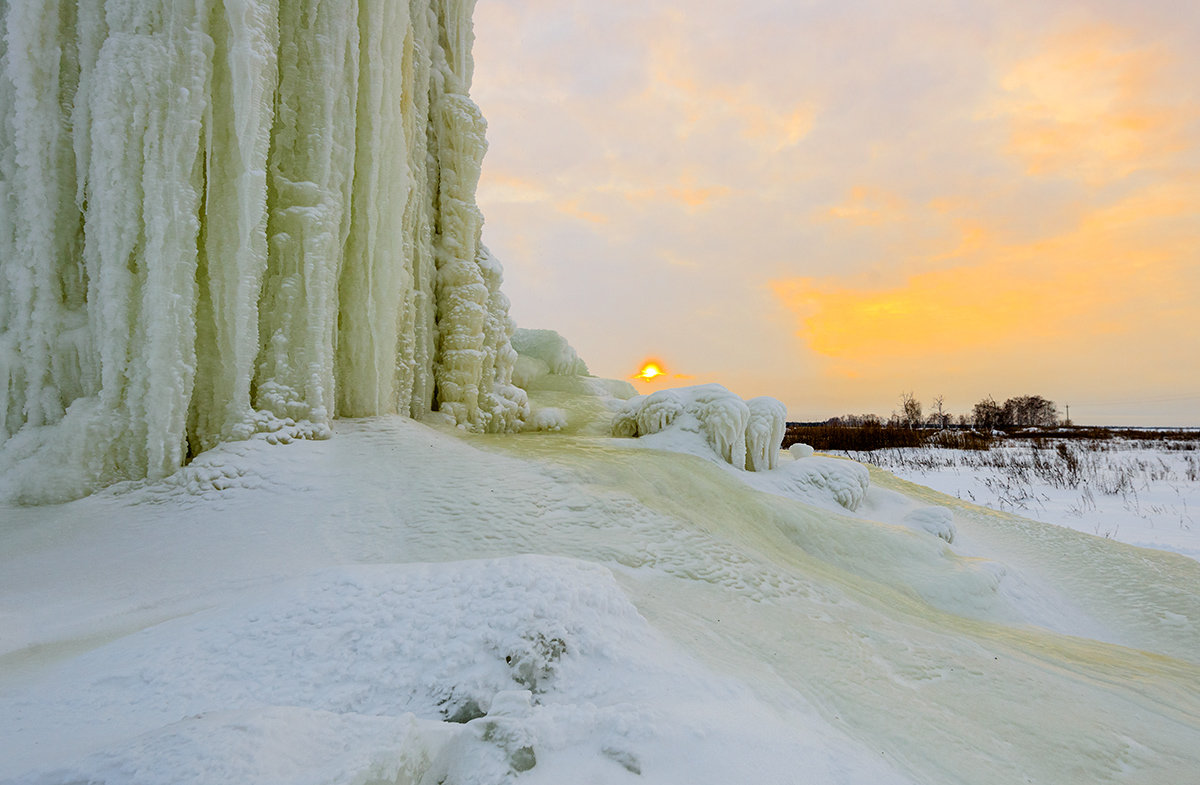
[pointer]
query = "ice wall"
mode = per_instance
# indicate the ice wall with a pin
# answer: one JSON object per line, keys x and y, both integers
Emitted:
{"x": 222, "y": 217}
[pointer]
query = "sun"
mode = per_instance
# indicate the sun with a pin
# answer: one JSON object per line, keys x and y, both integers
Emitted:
{"x": 650, "y": 370}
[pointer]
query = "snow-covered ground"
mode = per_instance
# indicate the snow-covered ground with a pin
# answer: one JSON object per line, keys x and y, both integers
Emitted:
{"x": 1142, "y": 493}
{"x": 408, "y": 603}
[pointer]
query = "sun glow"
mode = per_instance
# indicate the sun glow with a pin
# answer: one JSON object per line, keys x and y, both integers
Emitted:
{"x": 650, "y": 370}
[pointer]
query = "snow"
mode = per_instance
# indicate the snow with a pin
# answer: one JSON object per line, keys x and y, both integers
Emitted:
{"x": 1142, "y": 495}
{"x": 233, "y": 218}
{"x": 411, "y": 602}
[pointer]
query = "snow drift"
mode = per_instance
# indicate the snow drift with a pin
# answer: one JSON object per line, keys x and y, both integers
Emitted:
{"x": 228, "y": 218}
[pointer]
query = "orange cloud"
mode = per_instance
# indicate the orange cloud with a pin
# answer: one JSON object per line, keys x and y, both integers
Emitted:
{"x": 1093, "y": 107}
{"x": 1128, "y": 270}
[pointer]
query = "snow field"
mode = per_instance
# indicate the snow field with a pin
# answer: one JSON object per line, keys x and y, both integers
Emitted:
{"x": 1125, "y": 490}
{"x": 715, "y": 624}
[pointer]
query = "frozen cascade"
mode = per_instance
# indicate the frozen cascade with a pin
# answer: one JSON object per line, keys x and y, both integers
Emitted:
{"x": 744, "y": 434}
{"x": 224, "y": 217}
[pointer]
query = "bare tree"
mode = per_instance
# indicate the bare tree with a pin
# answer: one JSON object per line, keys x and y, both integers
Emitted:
{"x": 911, "y": 410}
{"x": 938, "y": 417}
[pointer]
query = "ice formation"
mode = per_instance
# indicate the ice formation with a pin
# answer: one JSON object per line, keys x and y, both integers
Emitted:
{"x": 745, "y": 434}
{"x": 548, "y": 348}
{"x": 223, "y": 218}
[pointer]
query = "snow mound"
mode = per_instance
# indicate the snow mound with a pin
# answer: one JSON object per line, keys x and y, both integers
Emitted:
{"x": 549, "y": 418}
{"x": 799, "y": 451}
{"x": 746, "y": 435}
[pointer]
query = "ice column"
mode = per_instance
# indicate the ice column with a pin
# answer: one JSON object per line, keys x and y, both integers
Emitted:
{"x": 223, "y": 217}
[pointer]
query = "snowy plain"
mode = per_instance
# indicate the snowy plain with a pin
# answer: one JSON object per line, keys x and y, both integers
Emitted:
{"x": 1145, "y": 493}
{"x": 409, "y": 603}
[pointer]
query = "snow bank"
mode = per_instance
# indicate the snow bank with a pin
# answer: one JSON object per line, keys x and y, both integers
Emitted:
{"x": 746, "y": 435}
{"x": 234, "y": 218}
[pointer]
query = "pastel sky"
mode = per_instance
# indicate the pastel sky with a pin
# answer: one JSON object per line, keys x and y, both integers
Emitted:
{"x": 835, "y": 203}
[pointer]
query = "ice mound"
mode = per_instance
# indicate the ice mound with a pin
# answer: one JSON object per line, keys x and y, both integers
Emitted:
{"x": 938, "y": 521}
{"x": 744, "y": 434}
{"x": 821, "y": 481}
{"x": 562, "y": 395}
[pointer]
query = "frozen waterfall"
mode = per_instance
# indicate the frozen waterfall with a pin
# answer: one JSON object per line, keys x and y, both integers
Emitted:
{"x": 223, "y": 217}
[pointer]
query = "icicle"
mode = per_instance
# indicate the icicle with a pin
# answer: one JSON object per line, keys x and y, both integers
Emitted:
{"x": 233, "y": 251}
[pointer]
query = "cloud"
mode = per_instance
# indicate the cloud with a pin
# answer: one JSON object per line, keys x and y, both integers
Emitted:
{"x": 499, "y": 188}
{"x": 1125, "y": 271}
{"x": 868, "y": 206}
{"x": 984, "y": 190}
{"x": 1091, "y": 105}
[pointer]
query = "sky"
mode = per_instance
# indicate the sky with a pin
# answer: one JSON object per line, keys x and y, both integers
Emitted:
{"x": 836, "y": 203}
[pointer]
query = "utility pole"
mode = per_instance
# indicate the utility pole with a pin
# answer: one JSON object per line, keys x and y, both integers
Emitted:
{"x": 1068, "y": 413}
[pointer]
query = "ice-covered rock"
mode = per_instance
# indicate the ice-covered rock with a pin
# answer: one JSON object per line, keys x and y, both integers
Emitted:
{"x": 550, "y": 348}
{"x": 224, "y": 217}
{"x": 745, "y": 435}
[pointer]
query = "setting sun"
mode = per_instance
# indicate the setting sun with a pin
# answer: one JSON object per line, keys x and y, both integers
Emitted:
{"x": 650, "y": 370}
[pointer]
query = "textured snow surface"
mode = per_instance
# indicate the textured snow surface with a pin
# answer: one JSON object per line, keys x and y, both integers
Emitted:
{"x": 238, "y": 217}
{"x": 408, "y": 603}
{"x": 467, "y": 670}
{"x": 744, "y": 434}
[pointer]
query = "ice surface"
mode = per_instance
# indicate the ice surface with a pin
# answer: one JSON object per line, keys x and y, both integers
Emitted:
{"x": 743, "y": 434}
{"x": 237, "y": 217}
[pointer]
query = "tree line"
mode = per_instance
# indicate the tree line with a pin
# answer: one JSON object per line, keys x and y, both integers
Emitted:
{"x": 1022, "y": 411}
